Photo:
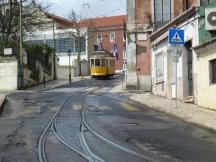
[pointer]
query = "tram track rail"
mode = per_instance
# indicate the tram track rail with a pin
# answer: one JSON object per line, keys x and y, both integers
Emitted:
{"x": 87, "y": 154}
{"x": 41, "y": 141}
{"x": 100, "y": 137}
{"x": 64, "y": 142}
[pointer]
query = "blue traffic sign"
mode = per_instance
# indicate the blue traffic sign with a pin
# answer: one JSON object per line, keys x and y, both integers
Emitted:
{"x": 176, "y": 36}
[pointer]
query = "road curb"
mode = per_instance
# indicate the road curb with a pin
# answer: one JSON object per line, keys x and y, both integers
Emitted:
{"x": 2, "y": 105}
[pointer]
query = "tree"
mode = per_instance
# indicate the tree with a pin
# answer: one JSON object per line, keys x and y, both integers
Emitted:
{"x": 9, "y": 20}
{"x": 80, "y": 33}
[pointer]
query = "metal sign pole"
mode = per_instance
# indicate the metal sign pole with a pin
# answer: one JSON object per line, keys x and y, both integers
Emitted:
{"x": 176, "y": 78}
{"x": 69, "y": 69}
{"x": 176, "y": 38}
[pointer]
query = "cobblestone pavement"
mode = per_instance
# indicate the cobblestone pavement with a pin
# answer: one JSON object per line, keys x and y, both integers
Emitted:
{"x": 188, "y": 112}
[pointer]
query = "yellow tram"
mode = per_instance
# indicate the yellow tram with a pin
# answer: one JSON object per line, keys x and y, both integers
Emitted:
{"x": 102, "y": 64}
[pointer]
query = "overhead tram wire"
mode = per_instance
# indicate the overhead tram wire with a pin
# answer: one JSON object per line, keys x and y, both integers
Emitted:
{"x": 87, "y": 11}
{"x": 119, "y": 8}
{"x": 104, "y": 15}
{"x": 84, "y": 3}
{"x": 92, "y": 10}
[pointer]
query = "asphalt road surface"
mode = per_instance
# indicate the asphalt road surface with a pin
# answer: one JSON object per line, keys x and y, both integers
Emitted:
{"x": 84, "y": 121}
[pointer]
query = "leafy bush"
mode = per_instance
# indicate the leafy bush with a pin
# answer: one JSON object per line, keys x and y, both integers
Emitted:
{"x": 38, "y": 53}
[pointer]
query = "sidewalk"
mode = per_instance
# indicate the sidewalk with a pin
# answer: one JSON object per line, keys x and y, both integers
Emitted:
{"x": 49, "y": 85}
{"x": 192, "y": 113}
{"x": 40, "y": 87}
{"x": 55, "y": 83}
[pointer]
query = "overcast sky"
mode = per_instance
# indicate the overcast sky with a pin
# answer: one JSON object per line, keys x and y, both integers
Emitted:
{"x": 87, "y": 8}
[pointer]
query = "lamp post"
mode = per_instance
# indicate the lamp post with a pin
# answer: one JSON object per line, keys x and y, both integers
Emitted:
{"x": 21, "y": 77}
{"x": 69, "y": 55}
{"x": 54, "y": 46}
{"x": 44, "y": 77}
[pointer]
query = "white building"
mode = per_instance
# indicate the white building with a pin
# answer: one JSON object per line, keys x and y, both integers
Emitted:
{"x": 58, "y": 32}
{"x": 166, "y": 80}
{"x": 64, "y": 41}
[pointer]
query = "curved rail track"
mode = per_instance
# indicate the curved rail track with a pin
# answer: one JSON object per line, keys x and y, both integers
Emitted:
{"x": 88, "y": 155}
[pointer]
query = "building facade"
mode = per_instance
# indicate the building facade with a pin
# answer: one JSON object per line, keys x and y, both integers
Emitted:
{"x": 107, "y": 33}
{"x": 186, "y": 72}
{"x": 174, "y": 68}
{"x": 58, "y": 32}
{"x": 206, "y": 56}
{"x": 144, "y": 18}
{"x": 139, "y": 27}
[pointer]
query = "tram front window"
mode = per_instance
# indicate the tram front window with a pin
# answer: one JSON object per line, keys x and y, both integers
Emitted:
{"x": 97, "y": 62}
{"x": 103, "y": 63}
{"x": 92, "y": 62}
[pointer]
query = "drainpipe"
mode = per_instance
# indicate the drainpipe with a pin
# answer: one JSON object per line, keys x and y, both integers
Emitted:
{"x": 137, "y": 87}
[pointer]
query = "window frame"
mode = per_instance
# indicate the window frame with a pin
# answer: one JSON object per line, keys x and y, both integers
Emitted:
{"x": 124, "y": 66}
{"x": 212, "y": 75}
{"x": 97, "y": 62}
{"x": 160, "y": 18}
{"x": 100, "y": 38}
{"x": 159, "y": 79}
{"x": 103, "y": 63}
{"x": 123, "y": 37}
{"x": 124, "y": 53}
{"x": 92, "y": 62}
{"x": 205, "y": 3}
{"x": 114, "y": 36}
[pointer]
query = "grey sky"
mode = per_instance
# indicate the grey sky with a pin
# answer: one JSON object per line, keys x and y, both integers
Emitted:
{"x": 87, "y": 8}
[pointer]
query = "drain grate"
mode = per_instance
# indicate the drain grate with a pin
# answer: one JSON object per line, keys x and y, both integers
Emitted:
{"x": 130, "y": 124}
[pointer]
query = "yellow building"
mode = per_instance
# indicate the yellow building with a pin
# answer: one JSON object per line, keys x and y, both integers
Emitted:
{"x": 206, "y": 54}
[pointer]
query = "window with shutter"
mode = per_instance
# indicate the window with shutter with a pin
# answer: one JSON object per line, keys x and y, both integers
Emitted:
{"x": 159, "y": 63}
{"x": 166, "y": 10}
{"x": 162, "y": 12}
{"x": 112, "y": 37}
{"x": 213, "y": 71}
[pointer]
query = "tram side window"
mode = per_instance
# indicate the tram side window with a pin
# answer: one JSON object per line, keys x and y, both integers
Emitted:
{"x": 111, "y": 63}
{"x": 97, "y": 62}
{"x": 103, "y": 62}
{"x": 92, "y": 62}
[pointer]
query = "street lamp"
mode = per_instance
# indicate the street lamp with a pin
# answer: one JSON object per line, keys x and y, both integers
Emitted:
{"x": 21, "y": 74}
{"x": 44, "y": 77}
{"x": 69, "y": 54}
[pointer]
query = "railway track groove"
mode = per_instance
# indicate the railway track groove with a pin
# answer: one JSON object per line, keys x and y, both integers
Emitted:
{"x": 87, "y": 154}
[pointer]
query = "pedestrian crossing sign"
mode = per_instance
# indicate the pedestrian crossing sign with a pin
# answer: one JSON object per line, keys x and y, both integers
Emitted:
{"x": 176, "y": 36}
